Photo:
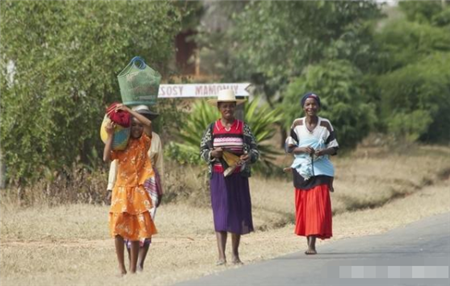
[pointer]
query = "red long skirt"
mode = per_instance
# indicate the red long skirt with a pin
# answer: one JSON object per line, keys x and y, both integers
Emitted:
{"x": 313, "y": 212}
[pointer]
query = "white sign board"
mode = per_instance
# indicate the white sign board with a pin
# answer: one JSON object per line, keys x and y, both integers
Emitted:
{"x": 200, "y": 90}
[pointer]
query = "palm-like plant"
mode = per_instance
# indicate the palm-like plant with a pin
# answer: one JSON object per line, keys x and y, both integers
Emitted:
{"x": 260, "y": 117}
{"x": 262, "y": 120}
{"x": 202, "y": 114}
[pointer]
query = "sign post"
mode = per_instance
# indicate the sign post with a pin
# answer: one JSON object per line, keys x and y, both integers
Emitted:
{"x": 205, "y": 90}
{"x": 196, "y": 90}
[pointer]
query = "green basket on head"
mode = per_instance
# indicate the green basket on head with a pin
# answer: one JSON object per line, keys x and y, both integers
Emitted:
{"x": 139, "y": 83}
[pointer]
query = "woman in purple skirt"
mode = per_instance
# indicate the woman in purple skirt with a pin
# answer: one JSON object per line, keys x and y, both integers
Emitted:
{"x": 229, "y": 147}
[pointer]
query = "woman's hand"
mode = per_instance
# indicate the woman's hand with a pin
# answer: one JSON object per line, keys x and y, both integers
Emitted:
{"x": 109, "y": 127}
{"x": 244, "y": 157}
{"x": 108, "y": 197}
{"x": 306, "y": 150}
{"x": 121, "y": 106}
{"x": 322, "y": 152}
{"x": 217, "y": 153}
{"x": 319, "y": 153}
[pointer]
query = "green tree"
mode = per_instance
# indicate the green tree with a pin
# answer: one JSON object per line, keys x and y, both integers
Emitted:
{"x": 416, "y": 100}
{"x": 403, "y": 42}
{"x": 423, "y": 11}
{"x": 343, "y": 100}
{"x": 59, "y": 64}
{"x": 271, "y": 42}
{"x": 414, "y": 74}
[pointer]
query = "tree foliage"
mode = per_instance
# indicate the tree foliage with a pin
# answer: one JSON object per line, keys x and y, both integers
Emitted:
{"x": 416, "y": 99}
{"x": 344, "y": 103}
{"x": 270, "y": 42}
{"x": 424, "y": 11}
{"x": 59, "y": 65}
{"x": 402, "y": 43}
{"x": 414, "y": 76}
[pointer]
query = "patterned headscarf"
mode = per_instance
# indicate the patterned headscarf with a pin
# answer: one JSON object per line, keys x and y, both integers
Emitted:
{"x": 310, "y": 95}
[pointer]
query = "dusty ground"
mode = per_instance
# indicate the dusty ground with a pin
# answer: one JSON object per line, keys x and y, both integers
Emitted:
{"x": 70, "y": 244}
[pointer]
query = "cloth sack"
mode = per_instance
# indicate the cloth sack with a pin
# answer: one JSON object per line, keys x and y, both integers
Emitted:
{"x": 121, "y": 134}
{"x": 120, "y": 117}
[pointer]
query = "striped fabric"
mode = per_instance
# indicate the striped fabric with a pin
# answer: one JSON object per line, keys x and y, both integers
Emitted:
{"x": 239, "y": 130}
{"x": 322, "y": 136}
{"x": 150, "y": 186}
{"x": 231, "y": 139}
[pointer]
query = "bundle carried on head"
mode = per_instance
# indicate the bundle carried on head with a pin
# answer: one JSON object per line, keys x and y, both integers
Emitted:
{"x": 122, "y": 120}
{"x": 139, "y": 83}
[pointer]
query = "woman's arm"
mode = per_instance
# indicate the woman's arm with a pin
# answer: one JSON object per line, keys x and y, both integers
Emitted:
{"x": 327, "y": 151}
{"x": 206, "y": 147}
{"x": 331, "y": 144}
{"x": 250, "y": 140}
{"x": 144, "y": 120}
{"x": 292, "y": 143}
{"x": 303, "y": 150}
{"x": 108, "y": 145}
{"x": 112, "y": 175}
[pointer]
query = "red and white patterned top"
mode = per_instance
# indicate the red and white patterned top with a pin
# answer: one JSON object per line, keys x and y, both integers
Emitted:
{"x": 229, "y": 139}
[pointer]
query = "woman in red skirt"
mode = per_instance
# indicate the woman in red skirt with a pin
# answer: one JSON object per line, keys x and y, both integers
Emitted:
{"x": 312, "y": 140}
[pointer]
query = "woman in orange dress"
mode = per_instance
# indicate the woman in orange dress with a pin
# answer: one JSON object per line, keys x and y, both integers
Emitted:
{"x": 131, "y": 204}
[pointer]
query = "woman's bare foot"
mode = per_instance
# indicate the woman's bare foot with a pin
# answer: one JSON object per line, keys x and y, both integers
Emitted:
{"x": 237, "y": 262}
{"x": 311, "y": 245}
{"x": 310, "y": 251}
{"x": 221, "y": 262}
{"x": 122, "y": 272}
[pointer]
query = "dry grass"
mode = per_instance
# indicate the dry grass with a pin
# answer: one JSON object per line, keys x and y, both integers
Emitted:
{"x": 75, "y": 184}
{"x": 69, "y": 244}
{"x": 369, "y": 181}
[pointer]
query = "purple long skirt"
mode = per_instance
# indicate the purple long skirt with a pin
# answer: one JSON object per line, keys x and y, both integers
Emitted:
{"x": 231, "y": 203}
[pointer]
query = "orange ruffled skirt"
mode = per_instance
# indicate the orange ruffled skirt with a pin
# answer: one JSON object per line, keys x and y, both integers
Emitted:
{"x": 129, "y": 215}
{"x": 313, "y": 212}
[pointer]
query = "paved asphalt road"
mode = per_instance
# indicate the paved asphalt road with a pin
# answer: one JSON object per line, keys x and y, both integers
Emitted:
{"x": 417, "y": 254}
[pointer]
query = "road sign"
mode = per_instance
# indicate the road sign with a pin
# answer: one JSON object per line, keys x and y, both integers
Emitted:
{"x": 200, "y": 90}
